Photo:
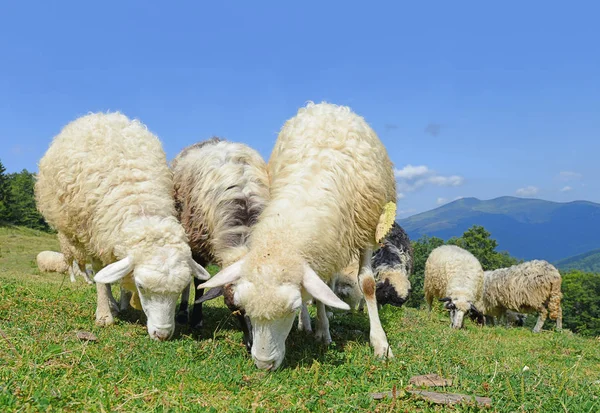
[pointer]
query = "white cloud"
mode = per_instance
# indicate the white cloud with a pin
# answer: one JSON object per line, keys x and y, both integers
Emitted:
{"x": 527, "y": 191}
{"x": 441, "y": 201}
{"x": 405, "y": 212}
{"x": 411, "y": 178}
{"x": 412, "y": 172}
{"x": 566, "y": 189}
{"x": 399, "y": 196}
{"x": 570, "y": 176}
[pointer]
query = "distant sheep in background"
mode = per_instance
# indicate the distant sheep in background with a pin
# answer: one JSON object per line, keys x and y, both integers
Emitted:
{"x": 530, "y": 287}
{"x": 52, "y": 261}
{"x": 104, "y": 183}
{"x": 221, "y": 188}
{"x": 392, "y": 265}
{"x": 331, "y": 182}
{"x": 454, "y": 276}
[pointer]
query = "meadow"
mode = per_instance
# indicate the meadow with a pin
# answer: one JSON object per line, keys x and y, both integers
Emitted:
{"x": 44, "y": 366}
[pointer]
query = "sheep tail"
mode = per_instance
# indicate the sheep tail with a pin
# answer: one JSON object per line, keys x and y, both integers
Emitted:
{"x": 554, "y": 301}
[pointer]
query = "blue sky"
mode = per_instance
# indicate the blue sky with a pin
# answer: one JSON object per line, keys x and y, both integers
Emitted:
{"x": 470, "y": 98}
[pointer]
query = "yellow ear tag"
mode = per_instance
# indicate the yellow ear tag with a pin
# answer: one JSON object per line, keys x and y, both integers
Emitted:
{"x": 386, "y": 220}
{"x": 134, "y": 301}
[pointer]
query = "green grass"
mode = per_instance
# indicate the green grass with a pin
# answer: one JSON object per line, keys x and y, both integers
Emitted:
{"x": 44, "y": 367}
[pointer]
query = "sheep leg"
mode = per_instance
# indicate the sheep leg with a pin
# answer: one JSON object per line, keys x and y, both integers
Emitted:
{"x": 72, "y": 272}
{"x": 322, "y": 324}
{"x": 196, "y": 318}
{"x": 125, "y": 299}
{"x": 540, "y": 320}
{"x": 182, "y": 314}
{"x": 366, "y": 282}
{"x": 304, "y": 319}
{"x": 559, "y": 319}
{"x": 104, "y": 316}
{"x": 80, "y": 267}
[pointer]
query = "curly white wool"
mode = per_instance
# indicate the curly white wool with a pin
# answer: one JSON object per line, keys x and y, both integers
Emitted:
{"x": 104, "y": 183}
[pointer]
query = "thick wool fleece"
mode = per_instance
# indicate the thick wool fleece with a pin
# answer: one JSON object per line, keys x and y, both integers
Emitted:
{"x": 330, "y": 178}
{"x": 524, "y": 288}
{"x": 221, "y": 188}
{"x": 105, "y": 184}
{"x": 451, "y": 271}
{"x": 52, "y": 261}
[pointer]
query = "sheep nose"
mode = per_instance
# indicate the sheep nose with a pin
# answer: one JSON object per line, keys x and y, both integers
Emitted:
{"x": 264, "y": 364}
{"x": 161, "y": 334}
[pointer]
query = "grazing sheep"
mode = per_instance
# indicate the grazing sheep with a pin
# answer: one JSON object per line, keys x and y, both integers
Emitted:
{"x": 392, "y": 265}
{"x": 52, "y": 261}
{"x": 530, "y": 287}
{"x": 455, "y": 276}
{"x": 331, "y": 180}
{"x": 104, "y": 183}
{"x": 221, "y": 188}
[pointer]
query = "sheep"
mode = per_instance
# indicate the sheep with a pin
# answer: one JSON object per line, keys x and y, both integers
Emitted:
{"x": 221, "y": 188}
{"x": 530, "y": 287}
{"x": 104, "y": 183}
{"x": 52, "y": 261}
{"x": 455, "y": 276}
{"x": 332, "y": 185}
{"x": 392, "y": 265}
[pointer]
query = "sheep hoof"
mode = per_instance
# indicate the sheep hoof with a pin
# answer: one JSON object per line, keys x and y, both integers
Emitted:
{"x": 104, "y": 321}
{"x": 384, "y": 352}
{"x": 324, "y": 337}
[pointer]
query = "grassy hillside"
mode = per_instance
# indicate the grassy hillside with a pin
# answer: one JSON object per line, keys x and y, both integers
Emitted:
{"x": 526, "y": 228}
{"x": 43, "y": 364}
{"x": 588, "y": 262}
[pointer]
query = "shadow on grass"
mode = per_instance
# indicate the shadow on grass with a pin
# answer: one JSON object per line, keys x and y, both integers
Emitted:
{"x": 302, "y": 349}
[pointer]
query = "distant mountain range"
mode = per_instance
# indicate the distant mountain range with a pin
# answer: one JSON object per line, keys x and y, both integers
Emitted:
{"x": 526, "y": 228}
{"x": 588, "y": 262}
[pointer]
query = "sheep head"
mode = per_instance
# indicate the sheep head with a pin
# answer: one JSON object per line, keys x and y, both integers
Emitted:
{"x": 271, "y": 294}
{"x": 159, "y": 278}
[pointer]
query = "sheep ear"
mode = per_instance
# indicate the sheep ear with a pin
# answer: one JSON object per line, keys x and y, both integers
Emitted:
{"x": 225, "y": 276}
{"x": 445, "y": 299}
{"x": 316, "y": 287}
{"x": 211, "y": 294}
{"x": 115, "y": 271}
{"x": 198, "y": 270}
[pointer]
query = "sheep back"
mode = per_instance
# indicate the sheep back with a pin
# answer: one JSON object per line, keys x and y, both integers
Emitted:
{"x": 221, "y": 188}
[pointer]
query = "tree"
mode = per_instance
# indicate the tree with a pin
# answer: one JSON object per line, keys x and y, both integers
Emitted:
{"x": 421, "y": 250}
{"x": 4, "y": 195}
{"x": 23, "y": 209}
{"x": 478, "y": 242}
{"x": 580, "y": 304}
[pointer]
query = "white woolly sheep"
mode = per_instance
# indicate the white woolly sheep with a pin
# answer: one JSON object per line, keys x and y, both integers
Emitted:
{"x": 52, "y": 261}
{"x": 392, "y": 265}
{"x": 455, "y": 276}
{"x": 221, "y": 188}
{"x": 104, "y": 183}
{"x": 530, "y": 287}
{"x": 330, "y": 181}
